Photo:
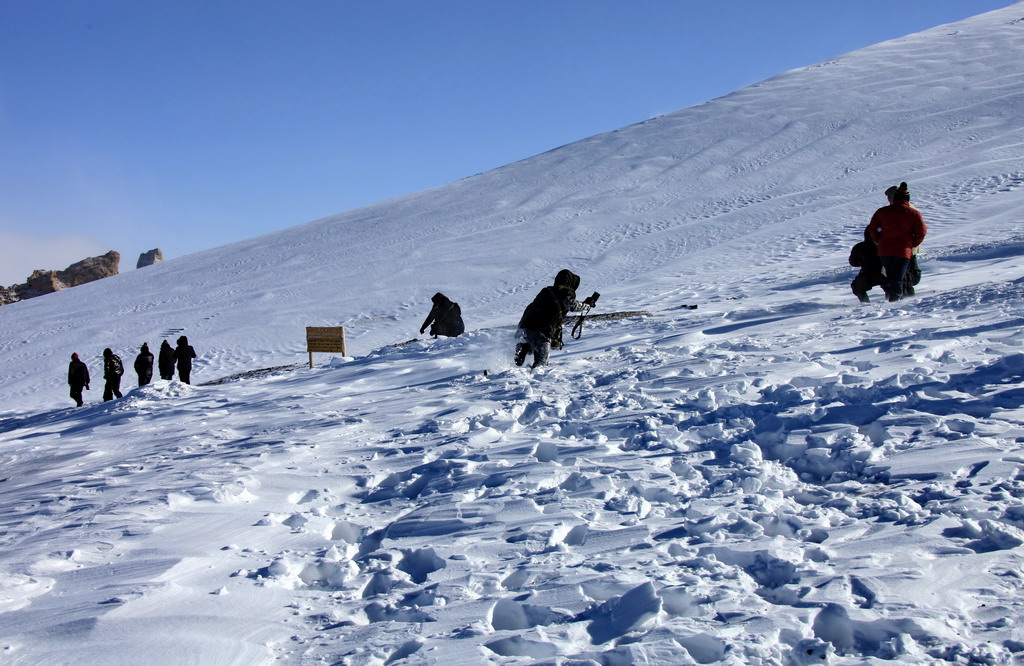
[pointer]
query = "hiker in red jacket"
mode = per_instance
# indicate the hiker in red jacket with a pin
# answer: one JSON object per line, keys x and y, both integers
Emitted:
{"x": 897, "y": 228}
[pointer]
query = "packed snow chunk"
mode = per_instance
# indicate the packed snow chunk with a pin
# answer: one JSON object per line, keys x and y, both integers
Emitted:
{"x": 282, "y": 572}
{"x": 327, "y": 574}
{"x": 766, "y": 569}
{"x": 17, "y": 590}
{"x": 508, "y": 614}
{"x": 986, "y": 535}
{"x": 546, "y": 452}
{"x": 520, "y": 646}
{"x": 810, "y": 651}
{"x": 882, "y": 638}
{"x": 569, "y": 536}
{"x": 347, "y": 532}
{"x": 419, "y": 564}
{"x": 745, "y": 453}
{"x": 703, "y": 648}
{"x": 380, "y": 612}
{"x": 296, "y": 521}
{"x": 621, "y": 615}
{"x": 404, "y": 650}
{"x": 304, "y": 497}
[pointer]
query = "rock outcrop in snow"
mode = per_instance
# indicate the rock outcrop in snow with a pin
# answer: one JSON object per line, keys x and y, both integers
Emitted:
{"x": 43, "y": 282}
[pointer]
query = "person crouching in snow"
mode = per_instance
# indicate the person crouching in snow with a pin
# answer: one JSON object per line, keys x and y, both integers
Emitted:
{"x": 540, "y": 328}
{"x": 446, "y": 317}
{"x": 897, "y": 228}
{"x": 864, "y": 255}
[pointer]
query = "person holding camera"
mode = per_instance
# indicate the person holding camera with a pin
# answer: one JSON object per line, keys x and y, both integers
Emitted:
{"x": 540, "y": 328}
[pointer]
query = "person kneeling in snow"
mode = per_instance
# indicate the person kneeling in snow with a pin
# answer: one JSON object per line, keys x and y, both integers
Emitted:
{"x": 446, "y": 316}
{"x": 540, "y": 328}
{"x": 864, "y": 255}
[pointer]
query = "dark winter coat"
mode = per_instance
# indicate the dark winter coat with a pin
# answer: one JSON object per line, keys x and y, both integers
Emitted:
{"x": 446, "y": 316}
{"x": 78, "y": 374}
{"x": 113, "y": 368}
{"x": 897, "y": 228}
{"x": 166, "y": 362}
{"x": 864, "y": 255}
{"x": 546, "y": 314}
{"x": 183, "y": 354}
{"x": 144, "y": 365}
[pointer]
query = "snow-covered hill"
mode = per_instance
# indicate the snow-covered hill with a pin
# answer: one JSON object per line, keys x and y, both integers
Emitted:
{"x": 778, "y": 476}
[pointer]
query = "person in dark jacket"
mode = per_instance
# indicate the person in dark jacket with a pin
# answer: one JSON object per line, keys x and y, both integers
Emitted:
{"x": 897, "y": 228}
{"x": 183, "y": 355}
{"x": 166, "y": 361}
{"x": 144, "y": 365}
{"x": 864, "y": 255}
{"x": 445, "y": 317}
{"x": 540, "y": 328}
{"x": 112, "y": 371}
{"x": 78, "y": 377}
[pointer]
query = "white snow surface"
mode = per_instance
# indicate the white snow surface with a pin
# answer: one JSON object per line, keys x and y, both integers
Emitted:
{"x": 779, "y": 476}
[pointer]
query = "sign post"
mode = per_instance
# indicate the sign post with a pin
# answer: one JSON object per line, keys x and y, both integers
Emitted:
{"x": 325, "y": 339}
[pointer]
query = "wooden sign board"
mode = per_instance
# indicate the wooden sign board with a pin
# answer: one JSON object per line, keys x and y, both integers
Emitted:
{"x": 325, "y": 339}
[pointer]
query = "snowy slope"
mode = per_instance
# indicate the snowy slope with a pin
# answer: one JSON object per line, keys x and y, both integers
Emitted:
{"x": 778, "y": 476}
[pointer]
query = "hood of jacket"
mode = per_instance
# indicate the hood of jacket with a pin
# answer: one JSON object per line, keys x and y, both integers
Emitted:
{"x": 567, "y": 278}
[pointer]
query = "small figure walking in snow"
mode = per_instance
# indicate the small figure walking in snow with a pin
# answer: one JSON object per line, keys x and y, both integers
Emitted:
{"x": 78, "y": 377}
{"x": 183, "y": 354}
{"x": 144, "y": 365}
{"x": 112, "y": 371}
{"x": 166, "y": 361}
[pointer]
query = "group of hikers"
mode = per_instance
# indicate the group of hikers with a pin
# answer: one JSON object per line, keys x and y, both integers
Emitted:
{"x": 887, "y": 257}
{"x": 540, "y": 327}
{"x": 170, "y": 357}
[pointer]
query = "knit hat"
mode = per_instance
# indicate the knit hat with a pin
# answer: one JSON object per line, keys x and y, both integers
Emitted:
{"x": 902, "y": 193}
{"x": 891, "y": 192}
{"x": 74, "y": 355}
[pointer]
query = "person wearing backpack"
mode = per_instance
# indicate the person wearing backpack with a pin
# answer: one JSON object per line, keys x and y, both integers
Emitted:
{"x": 540, "y": 328}
{"x": 144, "y": 365}
{"x": 445, "y": 317}
{"x": 112, "y": 371}
{"x": 166, "y": 361}
{"x": 78, "y": 377}
{"x": 183, "y": 354}
{"x": 897, "y": 228}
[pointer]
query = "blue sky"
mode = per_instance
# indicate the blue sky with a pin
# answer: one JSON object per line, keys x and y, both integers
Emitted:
{"x": 134, "y": 124}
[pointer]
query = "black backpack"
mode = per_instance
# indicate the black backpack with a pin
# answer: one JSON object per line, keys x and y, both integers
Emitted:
{"x": 116, "y": 366}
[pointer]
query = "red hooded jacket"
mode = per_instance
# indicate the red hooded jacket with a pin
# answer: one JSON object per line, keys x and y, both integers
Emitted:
{"x": 897, "y": 228}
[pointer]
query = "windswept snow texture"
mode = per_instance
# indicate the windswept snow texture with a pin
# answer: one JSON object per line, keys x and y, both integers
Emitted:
{"x": 779, "y": 476}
